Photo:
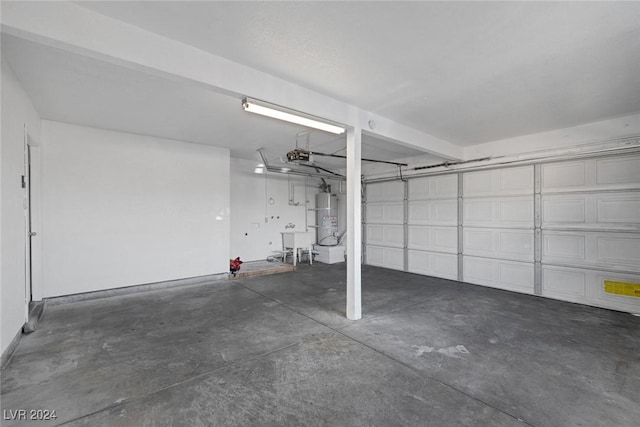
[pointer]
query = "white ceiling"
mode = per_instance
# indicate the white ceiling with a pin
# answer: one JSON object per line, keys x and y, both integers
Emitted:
{"x": 72, "y": 88}
{"x": 76, "y": 89}
{"x": 465, "y": 72}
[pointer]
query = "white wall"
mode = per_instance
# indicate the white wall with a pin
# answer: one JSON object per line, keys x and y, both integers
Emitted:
{"x": 121, "y": 209}
{"x": 17, "y": 110}
{"x": 260, "y": 209}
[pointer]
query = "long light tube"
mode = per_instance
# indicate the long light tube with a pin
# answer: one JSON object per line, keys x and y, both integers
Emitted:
{"x": 253, "y": 107}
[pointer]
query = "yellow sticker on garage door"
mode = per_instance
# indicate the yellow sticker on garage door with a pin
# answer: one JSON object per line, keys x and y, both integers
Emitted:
{"x": 622, "y": 288}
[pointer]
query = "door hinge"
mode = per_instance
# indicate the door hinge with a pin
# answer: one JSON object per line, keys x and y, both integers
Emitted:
{"x": 24, "y": 182}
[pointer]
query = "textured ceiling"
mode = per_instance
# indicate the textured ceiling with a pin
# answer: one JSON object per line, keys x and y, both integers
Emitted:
{"x": 465, "y": 72}
{"x": 72, "y": 88}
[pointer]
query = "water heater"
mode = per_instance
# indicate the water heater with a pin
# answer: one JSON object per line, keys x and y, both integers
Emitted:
{"x": 327, "y": 219}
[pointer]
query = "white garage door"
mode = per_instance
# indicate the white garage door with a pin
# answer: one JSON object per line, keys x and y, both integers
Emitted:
{"x": 432, "y": 237}
{"x": 384, "y": 215}
{"x": 498, "y": 228}
{"x": 566, "y": 230}
{"x": 590, "y": 246}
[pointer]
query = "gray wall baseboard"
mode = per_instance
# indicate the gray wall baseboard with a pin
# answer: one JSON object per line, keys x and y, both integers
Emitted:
{"x": 191, "y": 281}
{"x": 86, "y": 296}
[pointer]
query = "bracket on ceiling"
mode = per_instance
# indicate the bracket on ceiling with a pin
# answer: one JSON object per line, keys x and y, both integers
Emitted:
{"x": 300, "y": 169}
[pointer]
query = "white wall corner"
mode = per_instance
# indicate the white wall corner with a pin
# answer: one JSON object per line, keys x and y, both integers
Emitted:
{"x": 17, "y": 110}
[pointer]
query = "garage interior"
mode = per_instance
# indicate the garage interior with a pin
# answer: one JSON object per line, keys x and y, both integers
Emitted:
{"x": 462, "y": 248}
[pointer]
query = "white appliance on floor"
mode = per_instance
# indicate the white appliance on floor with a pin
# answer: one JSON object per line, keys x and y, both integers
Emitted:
{"x": 329, "y": 254}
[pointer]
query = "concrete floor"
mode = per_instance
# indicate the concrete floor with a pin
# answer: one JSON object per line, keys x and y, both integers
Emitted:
{"x": 277, "y": 350}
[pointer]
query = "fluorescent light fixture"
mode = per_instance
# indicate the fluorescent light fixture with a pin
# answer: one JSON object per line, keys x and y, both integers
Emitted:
{"x": 281, "y": 113}
{"x": 259, "y": 168}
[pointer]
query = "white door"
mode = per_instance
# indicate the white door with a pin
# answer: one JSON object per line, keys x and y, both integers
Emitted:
{"x": 32, "y": 168}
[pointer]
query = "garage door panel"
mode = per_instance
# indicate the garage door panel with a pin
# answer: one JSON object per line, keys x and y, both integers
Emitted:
{"x": 433, "y": 212}
{"x": 514, "y": 245}
{"x": 477, "y": 183}
{"x": 438, "y": 239}
{"x": 375, "y": 234}
{"x": 385, "y": 235}
{"x": 614, "y": 173}
{"x": 386, "y": 213}
{"x": 394, "y": 258}
{"x": 615, "y": 249}
{"x": 374, "y": 212}
{"x": 587, "y": 287}
{"x": 498, "y": 213}
{"x": 592, "y": 211}
{"x": 435, "y": 187}
{"x": 564, "y": 176}
{"x": 611, "y": 251}
{"x": 563, "y": 247}
{"x": 433, "y": 264}
{"x": 562, "y": 281}
{"x": 561, "y": 210}
{"x": 499, "y": 182}
{"x": 515, "y": 180}
{"x": 622, "y": 171}
{"x": 478, "y": 269}
{"x": 478, "y": 211}
{"x": 616, "y": 209}
{"x": 516, "y": 276}
{"x": 375, "y": 255}
{"x": 496, "y": 273}
{"x": 386, "y": 257}
{"x": 385, "y": 191}
{"x": 516, "y": 212}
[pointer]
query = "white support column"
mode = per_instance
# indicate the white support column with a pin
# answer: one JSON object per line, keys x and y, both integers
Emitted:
{"x": 354, "y": 223}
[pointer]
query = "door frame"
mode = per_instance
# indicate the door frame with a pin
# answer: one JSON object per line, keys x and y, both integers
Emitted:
{"x": 27, "y": 220}
{"x": 35, "y": 209}
{"x": 32, "y": 199}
